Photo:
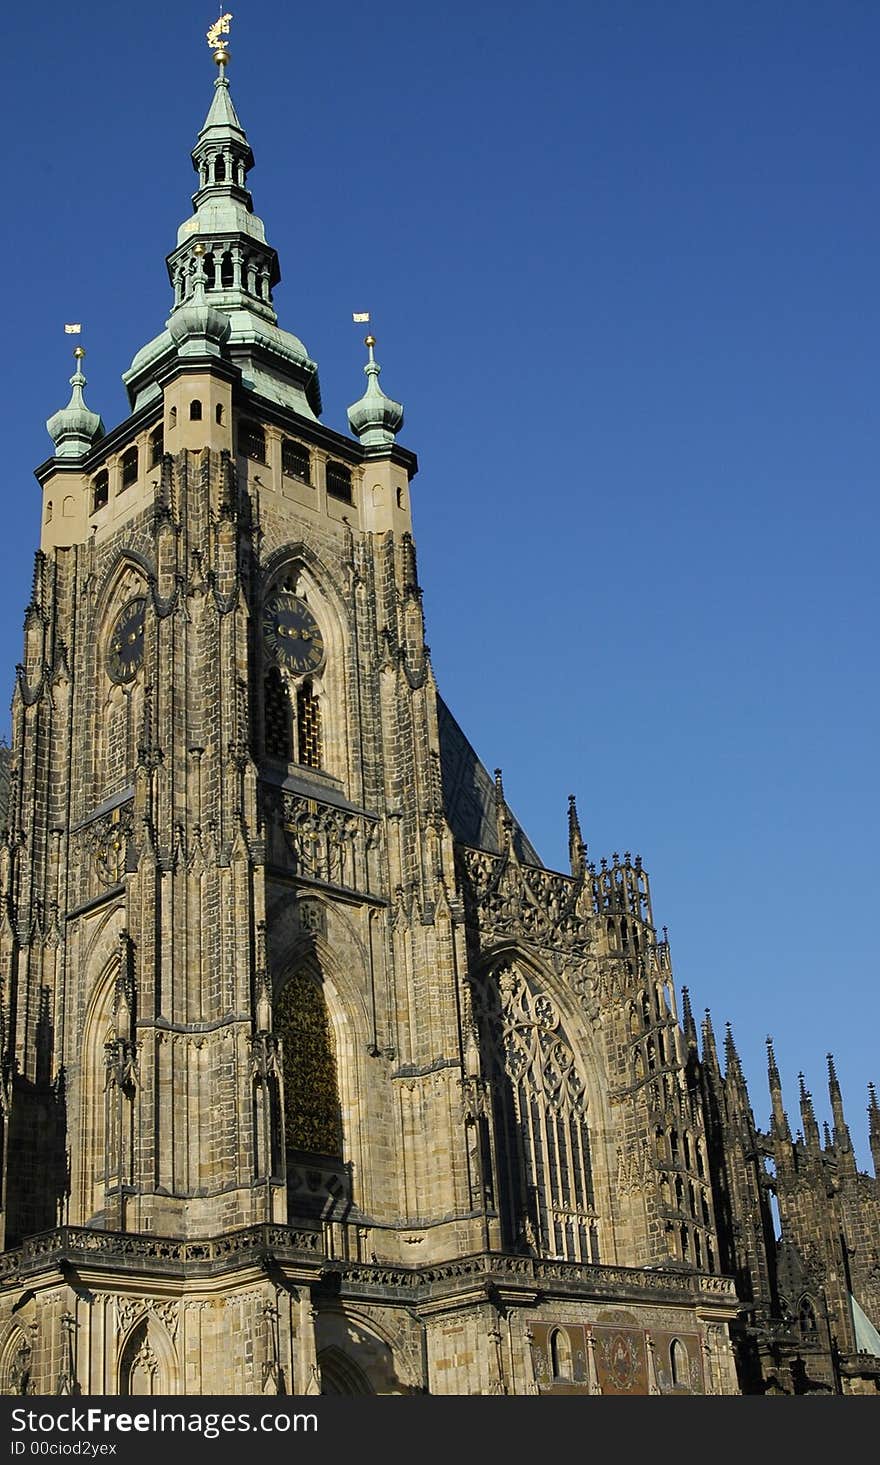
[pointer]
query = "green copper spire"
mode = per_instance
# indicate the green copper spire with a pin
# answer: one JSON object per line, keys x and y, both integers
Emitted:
{"x": 375, "y": 418}
{"x": 74, "y": 428}
{"x": 222, "y": 257}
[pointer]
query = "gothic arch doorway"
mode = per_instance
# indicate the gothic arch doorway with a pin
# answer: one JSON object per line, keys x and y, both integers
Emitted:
{"x": 341, "y": 1375}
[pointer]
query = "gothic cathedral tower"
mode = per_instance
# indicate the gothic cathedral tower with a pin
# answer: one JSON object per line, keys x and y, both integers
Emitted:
{"x": 315, "y": 1078}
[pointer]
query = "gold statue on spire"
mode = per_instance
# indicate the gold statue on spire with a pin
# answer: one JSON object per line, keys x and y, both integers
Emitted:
{"x": 218, "y": 29}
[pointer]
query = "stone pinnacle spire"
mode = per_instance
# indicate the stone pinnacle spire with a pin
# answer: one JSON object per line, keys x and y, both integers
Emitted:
{"x": 779, "y": 1126}
{"x": 874, "y": 1128}
{"x": 808, "y": 1116}
{"x": 689, "y": 1027}
{"x": 375, "y": 418}
{"x": 74, "y": 428}
{"x": 577, "y": 850}
{"x": 842, "y": 1140}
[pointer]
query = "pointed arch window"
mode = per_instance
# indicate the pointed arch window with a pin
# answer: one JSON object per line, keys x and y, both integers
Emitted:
{"x": 540, "y": 1117}
{"x": 157, "y": 446}
{"x": 312, "y": 1111}
{"x": 560, "y": 1354}
{"x": 678, "y": 1364}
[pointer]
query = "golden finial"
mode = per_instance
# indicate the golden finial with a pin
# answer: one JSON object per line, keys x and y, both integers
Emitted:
{"x": 213, "y": 37}
{"x": 369, "y": 340}
{"x": 79, "y": 352}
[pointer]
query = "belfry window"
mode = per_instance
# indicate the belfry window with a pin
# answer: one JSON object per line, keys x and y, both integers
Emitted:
{"x": 219, "y": 169}
{"x": 100, "y": 490}
{"x": 157, "y": 446}
{"x": 252, "y": 441}
{"x": 277, "y": 729}
{"x": 195, "y": 410}
{"x": 308, "y": 726}
{"x": 296, "y": 460}
{"x": 339, "y": 482}
{"x": 129, "y": 468}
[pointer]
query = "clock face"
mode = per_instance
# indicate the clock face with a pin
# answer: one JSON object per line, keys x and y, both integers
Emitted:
{"x": 292, "y": 633}
{"x": 125, "y": 651}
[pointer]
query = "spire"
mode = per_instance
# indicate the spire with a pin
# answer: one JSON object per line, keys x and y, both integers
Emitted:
{"x": 779, "y": 1127}
{"x": 874, "y": 1128}
{"x": 236, "y": 273}
{"x": 375, "y": 418}
{"x": 808, "y": 1117}
{"x": 732, "y": 1065}
{"x": 687, "y": 1019}
{"x": 842, "y": 1140}
{"x": 577, "y": 850}
{"x": 74, "y": 428}
{"x": 502, "y": 813}
{"x": 710, "y": 1052}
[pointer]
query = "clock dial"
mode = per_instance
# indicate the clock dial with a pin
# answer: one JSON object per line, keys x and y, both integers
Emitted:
{"x": 292, "y": 633}
{"x": 125, "y": 651}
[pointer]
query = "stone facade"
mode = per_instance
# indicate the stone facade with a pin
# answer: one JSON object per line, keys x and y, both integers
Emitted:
{"x": 315, "y": 1079}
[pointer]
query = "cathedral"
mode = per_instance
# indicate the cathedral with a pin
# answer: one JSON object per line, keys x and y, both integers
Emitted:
{"x": 315, "y": 1080}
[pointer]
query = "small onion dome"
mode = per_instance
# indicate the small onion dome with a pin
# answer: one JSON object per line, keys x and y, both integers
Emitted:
{"x": 375, "y": 419}
{"x": 75, "y": 428}
{"x": 196, "y": 328}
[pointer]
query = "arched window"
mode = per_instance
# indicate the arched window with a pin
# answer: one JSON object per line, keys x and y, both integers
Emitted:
{"x": 157, "y": 446}
{"x": 539, "y": 1105}
{"x": 218, "y": 413}
{"x": 308, "y": 726}
{"x": 227, "y": 271}
{"x": 678, "y": 1364}
{"x": 560, "y": 1354}
{"x": 172, "y": 417}
{"x": 296, "y": 460}
{"x": 312, "y": 1113}
{"x": 339, "y": 482}
{"x": 129, "y": 467}
{"x": 100, "y": 490}
{"x": 252, "y": 441}
{"x": 195, "y": 410}
{"x": 806, "y": 1316}
{"x": 277, "y": 722}
{"x": 219, "y": 169}
{"x": 49, "y": 512}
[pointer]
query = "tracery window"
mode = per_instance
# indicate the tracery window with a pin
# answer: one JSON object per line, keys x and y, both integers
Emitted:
{"x": 312, "y": 1114}
{"x": 540, "y": 1116}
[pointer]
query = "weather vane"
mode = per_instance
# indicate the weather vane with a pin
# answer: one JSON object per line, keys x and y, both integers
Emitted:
{"x": 218, "y": 29}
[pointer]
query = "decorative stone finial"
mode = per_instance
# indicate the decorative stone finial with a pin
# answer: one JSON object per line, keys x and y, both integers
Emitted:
{"x": 375, "y": 418}
{"x": 74, "y": 428}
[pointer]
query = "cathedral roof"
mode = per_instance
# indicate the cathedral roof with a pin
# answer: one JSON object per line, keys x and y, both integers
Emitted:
{"x": 469, "y": 794}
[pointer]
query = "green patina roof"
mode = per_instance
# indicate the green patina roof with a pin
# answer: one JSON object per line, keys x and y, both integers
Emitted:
{"x": 74, "y": 428}
{"x": 375, "y": 418}
{"x": 241, "y": 270}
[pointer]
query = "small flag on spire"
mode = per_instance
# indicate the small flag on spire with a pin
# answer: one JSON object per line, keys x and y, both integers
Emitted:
{"x": 360, "y": 317}
{"x": 72, "y": 330}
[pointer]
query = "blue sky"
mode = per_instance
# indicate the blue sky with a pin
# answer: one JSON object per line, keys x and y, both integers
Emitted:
{"x": 621, "y": 262}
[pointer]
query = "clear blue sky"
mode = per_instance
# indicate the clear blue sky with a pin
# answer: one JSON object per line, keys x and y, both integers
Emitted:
{"x": 622, "y": 264}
